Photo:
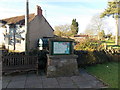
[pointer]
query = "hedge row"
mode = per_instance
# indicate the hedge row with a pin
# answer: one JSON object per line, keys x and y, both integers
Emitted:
{"x": 91, "y": 57}
{"x": 84, "y": 57}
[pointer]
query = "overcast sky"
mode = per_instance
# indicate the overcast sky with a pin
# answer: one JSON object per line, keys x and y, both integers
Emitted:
{"x": 58, "y": 12}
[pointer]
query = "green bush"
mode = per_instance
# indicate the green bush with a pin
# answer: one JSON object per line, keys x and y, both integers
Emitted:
{"x": 88, "y": 44}
{"x": 100, "y": 56}
{"x": 42, "y": 57}
{"x": 86, "y": 58}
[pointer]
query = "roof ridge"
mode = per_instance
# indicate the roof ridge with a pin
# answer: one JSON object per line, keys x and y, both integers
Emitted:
{"x": 16, "y": 19}
{"x": 17, "y": 16}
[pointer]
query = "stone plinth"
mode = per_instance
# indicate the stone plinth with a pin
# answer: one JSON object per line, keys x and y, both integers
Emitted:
{"x": 62, "y": 65}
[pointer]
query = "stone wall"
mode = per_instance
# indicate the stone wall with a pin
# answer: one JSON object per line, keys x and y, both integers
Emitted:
{"x": 62, "y": 65}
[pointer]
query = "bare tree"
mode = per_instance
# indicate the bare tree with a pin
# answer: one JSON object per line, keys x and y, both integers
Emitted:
{"x": 89, "y": 30}
{"x": 62, "y": 30}
{"x": 96, "y": 25}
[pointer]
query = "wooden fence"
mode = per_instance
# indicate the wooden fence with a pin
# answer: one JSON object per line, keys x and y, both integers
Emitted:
{"x": 18, "y": 63}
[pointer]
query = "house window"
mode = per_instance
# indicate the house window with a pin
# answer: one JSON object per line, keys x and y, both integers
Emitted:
{"x": 18, "y": 41}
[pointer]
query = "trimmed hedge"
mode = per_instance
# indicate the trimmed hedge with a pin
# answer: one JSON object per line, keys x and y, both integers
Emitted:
{"x": 42, "y": 58}
{"x": 100, "y": 56}
{"x": 113, "y": 54}
{"x": 90, "y": 57}
{"x": 84, "y": 57}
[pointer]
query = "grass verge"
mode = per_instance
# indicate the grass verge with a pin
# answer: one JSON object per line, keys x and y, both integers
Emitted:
{"x": 107, "y": 72}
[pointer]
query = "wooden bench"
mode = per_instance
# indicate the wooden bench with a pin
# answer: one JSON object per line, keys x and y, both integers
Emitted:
{"x": 19, "y": 63}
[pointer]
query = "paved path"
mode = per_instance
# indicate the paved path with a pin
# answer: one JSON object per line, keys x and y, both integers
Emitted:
{"x": 31, "y": 80}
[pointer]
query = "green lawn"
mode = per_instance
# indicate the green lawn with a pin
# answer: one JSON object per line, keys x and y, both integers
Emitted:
{"x": 108, "y": 72}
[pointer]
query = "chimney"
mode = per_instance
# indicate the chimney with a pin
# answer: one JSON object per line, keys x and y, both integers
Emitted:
{"x": 39, "y": 11}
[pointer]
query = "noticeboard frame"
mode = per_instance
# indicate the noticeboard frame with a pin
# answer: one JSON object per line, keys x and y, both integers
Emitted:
{"x": 70, "y": 48}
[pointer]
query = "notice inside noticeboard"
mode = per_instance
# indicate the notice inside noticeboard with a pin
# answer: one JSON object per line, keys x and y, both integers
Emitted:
{"x": 61, "y": 47}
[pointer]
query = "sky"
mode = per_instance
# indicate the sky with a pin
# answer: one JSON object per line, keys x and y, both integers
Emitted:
{"x": 59, "y": 12}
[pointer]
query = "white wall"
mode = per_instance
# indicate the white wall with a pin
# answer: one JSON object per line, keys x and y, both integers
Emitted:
{"x": 18, "y": 46}
{"x": 2, "y": 30}
{"x": 38, "y": 28}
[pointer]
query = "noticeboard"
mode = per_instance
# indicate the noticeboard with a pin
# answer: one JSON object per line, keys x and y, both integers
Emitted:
{"x": 61, "y": 48}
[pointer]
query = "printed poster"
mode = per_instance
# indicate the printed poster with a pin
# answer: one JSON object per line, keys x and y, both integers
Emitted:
{"x": 61, "y": 48}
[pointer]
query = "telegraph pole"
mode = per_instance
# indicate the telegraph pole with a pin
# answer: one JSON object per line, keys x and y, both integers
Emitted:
{"x": 117, "y": 22}
{"x": 27, "y": 27}
{"x": 14, "y": 33}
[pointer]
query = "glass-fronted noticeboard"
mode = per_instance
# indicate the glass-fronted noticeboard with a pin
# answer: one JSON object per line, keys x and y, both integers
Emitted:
{"x": 61, "y": 47}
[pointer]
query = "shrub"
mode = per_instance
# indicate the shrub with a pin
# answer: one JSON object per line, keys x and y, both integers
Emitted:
{"x": 42, "y": 57}
{"x": 100, "y": 56}
{"x": 3, "y": 47}
{"x": 90, "y": 57}
{"x": 90, "y": 45}
{"x": 113, "y": 54}
{"x": 81, "y": 60}
{"x": 86, "y": 45}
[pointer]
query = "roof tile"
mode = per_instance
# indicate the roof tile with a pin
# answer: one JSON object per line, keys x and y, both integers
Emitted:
{"x": 17, "y": 19}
